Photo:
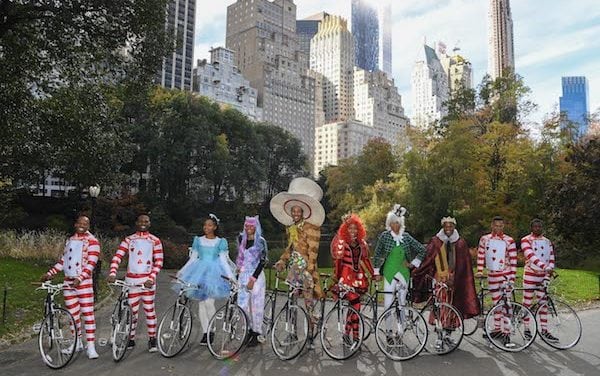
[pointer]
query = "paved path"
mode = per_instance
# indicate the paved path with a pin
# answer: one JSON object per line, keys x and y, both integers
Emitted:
{"x": 472, "y": 358}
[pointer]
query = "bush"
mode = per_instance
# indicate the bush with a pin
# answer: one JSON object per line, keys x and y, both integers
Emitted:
{"x": 175, "y": 255}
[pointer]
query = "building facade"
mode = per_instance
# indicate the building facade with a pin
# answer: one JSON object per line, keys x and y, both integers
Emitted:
{"x": 430, "y": 88}
{"x": 306, "y": 29}
{"x": 176, "y": 71}
{"x": 501, "y": 52}
{"x": 458, "y": 69}
{"x": 574, "y": 104}
{"x": 223, "y": 82}
{"x": 262, "y": 33}
{"x": 372, "y": 30}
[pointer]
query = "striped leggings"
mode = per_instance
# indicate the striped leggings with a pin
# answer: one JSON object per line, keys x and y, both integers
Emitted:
{"x": 533, "y": 282}
{"x": 79, "y": 301}
{"x": 146, "y": 297}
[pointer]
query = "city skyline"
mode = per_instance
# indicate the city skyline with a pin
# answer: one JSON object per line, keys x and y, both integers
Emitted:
{"x": 548, "y": 45}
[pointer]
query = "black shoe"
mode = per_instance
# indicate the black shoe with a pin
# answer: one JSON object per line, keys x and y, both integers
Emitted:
{"x": 527, "y": 334}
{"x": 131, "y": 344}
{"x": 204, "y": 341}
{"x": 152, "y": 345}
{"x": 506, "y": 341}
{"x": 550, "y": 337}
{"x": 253, "y": 341}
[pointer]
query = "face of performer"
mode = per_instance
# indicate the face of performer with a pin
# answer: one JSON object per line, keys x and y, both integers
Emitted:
{"x": 142, "y": 223}
{"x": 497, "y": 227}
{"x": 395, "y": 226}
{"x": 449, "y": 228}
{"x": 209, "y": 228}
{"x": 537, "y": 228}
{"x": 353, "y": 231}
{"x": 250, "y": 230}
{"x": 82, "y": 225}
{"x": 297, "y": 214}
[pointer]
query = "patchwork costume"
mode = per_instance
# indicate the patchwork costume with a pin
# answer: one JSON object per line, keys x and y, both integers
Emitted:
{"x": 78, "y": 261}
{"x": 144, "y": 253}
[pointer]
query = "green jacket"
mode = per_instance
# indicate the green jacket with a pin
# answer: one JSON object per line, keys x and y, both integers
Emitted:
{"x": 385, "y": 243}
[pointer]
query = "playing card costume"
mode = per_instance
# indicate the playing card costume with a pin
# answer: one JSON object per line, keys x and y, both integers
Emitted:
{"x": 78, "y": 261}
{"x": 394, "y": 253}
{"x": 300, "y": 254}
{"x": 144, "y": 253}
{"x": 251, "y": 259}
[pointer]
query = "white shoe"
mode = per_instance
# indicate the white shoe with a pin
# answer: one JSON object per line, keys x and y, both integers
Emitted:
{"x": 79, "y": 345}
{"x": 91, "y": 352}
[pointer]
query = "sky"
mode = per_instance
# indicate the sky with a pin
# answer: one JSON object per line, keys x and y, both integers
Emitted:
{"x": 553, "y": 38}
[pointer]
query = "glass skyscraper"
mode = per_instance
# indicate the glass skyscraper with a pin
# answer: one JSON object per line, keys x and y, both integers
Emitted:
{"x": 574, "y": 103}
{"x": 306, "y": 30}
{"x": 372, "y": 30}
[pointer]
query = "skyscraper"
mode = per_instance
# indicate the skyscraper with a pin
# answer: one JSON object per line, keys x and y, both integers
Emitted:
{"x": 501, "y": 53}
{"x": 262, "y": 33}
{"x": 458, "y": 69}
{"x": 176, "y": 72}
{"x": 429, "y": 88}
{"x": 574, "y": 103}
{"x": 306, "y": 30}
{"x": 372, "y": 30}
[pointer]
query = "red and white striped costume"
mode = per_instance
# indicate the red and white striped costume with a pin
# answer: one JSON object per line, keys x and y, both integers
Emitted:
{"x": 498, "y": 253}
{"x": 145, "y": 261}
{"x": 78, "y": 262}
{"x": 539, "y": 262}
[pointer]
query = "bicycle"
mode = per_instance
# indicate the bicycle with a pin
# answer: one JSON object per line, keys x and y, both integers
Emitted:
{"x": 369, "y": 305}
{"x": 229, "y": 326}
{"x": 443, "y": 320}
{"x": 175, "y": 325}
{"x": 270, "y": 306}
{"x": 557, "y": 323}
{"x": 121, "y": 321}
{"x": 340, "y": 338}
{"x": 290, "y": 331}
{"x": 58, "y": 337}
{"x": 401, "y": 331}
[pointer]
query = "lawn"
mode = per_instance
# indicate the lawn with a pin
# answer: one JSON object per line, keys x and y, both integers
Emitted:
{"x": 24, "y": 305}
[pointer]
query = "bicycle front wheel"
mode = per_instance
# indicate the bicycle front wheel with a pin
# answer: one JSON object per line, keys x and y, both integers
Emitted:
{"x": 401, "y": 333}
{"x": 558, "y": 324}
{"x": 367, "y": 315}
{"x": 228, "y": 329}
{"x": 470, "y": 325}
{"x": 174, "y": 330}
{"x": 290, "y": 332}
{"x": 342, "y": 332}
{"x": 121, "y": 332}
{"x": 267, "y": 324}
{"x": 57, "y": 339}
{"x": 445, "y": 326}
{"x": 510, "y": 326}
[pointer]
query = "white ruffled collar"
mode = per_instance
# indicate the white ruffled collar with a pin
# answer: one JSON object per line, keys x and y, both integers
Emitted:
{"x": 398, "y": 237}
{"x": 443, "y": 237}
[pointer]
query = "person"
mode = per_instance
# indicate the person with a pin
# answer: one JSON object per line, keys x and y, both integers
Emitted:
{"x": 498, "y": 253}
{"x": 352, "y": 266}
{"x": 539, "y": 266}
{"x": 301, "y": 212}
{"x": 208, "y": 261}
{"x": 145, "y": 260}
{"x": 79, "y": 258}
{"x": 250, "y": 261}
{"x": 449, "y": 261}
{"x": 397, "y": 253}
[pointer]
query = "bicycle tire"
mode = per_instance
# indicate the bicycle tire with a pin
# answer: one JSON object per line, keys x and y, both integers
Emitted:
{"x": 174, "y": 330}
{"x": 51, "y": 338}
{"x": 289, "y": 323}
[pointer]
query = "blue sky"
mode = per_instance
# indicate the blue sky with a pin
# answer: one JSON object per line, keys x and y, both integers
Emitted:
{"x": 553, "y": 38}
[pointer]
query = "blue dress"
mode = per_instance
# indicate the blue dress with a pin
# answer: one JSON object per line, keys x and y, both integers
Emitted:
{"x": 208, "y": 261}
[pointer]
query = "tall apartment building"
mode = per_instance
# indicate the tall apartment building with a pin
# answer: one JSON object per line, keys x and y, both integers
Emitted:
{"x": 176, "y": 71}
{"x": 262, "y": 33}
{"x": 574, "y": 103}
{"x": 501, "y": 51}
{"x": 306, "y": 29}
{"x": 458, "y": 69}
{"x": 372, "y": 30}
{"x": 430, "y": 88}
{"x": 223, "y": 82}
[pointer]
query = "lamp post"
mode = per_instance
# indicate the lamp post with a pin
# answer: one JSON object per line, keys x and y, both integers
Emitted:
{"x": 94, "y": 191}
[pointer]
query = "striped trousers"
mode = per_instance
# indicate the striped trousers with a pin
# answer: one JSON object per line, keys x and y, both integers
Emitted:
{"x": 144, "y": 297}
{"x": 79, "y": 301}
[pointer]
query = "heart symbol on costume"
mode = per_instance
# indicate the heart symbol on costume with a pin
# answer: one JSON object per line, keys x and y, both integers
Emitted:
{"x": 493, "y": 250}
{"x": 70, "y": 257}
{"x": 493, "y": 259}
{"x": 139, "y": 253}
{"x": 542, "y": 247}
{"x": 148, "y": 262}
{"x": 340, "y": 246}
{"x": 139, "y": 261}
{"x": 502, "y": 261}
{"x": 76, "y": 264}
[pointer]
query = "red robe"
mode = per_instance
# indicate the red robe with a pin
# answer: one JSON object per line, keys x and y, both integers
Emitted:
{"x": 352, "y": 268}
{"x": 464, "y": 296}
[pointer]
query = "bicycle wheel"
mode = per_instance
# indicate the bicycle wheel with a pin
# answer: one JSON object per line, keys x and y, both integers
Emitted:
{"x": 401, "y": 333}
{"x": 229, "y": 329}
{"x": 290, "y": 332}
{"x": 268, "y": 316}
{"x": 57, "y": 339}
{"x": 506, "y": 326}
{"x": 470, "y": 325}
{"x": 558, "y": 324}
{"x": 445, "y": 326}
{"x": 367, "y": 314}
{"x": 174, "y": 330}
{"x": 121, "y": 331}
{"x": 342, "y": 332}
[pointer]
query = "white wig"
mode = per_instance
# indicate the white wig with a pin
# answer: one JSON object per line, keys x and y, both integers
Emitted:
{"x": 396, "y": 215}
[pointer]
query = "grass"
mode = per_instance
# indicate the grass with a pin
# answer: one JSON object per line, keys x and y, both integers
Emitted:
{"x": 24, "y": 305}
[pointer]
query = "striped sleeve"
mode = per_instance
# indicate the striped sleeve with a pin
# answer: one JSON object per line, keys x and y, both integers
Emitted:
{"x": 158, "y": 257}
{"x": 56, "y": 268}
{"x": 512, "y": 256}
{"x": 93, "y": 253}
{"x": 481, "y": 255}
{"x": 118, "y": 257}
{"x": 552, "y": 257}
{"x": 529, "y": 254}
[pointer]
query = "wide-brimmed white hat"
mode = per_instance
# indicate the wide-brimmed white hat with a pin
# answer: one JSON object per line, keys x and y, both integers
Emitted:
{"x": 302, "y": 192}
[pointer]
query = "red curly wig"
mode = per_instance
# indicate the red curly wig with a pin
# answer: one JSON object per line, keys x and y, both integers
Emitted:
{"x": 343, "y": 230}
